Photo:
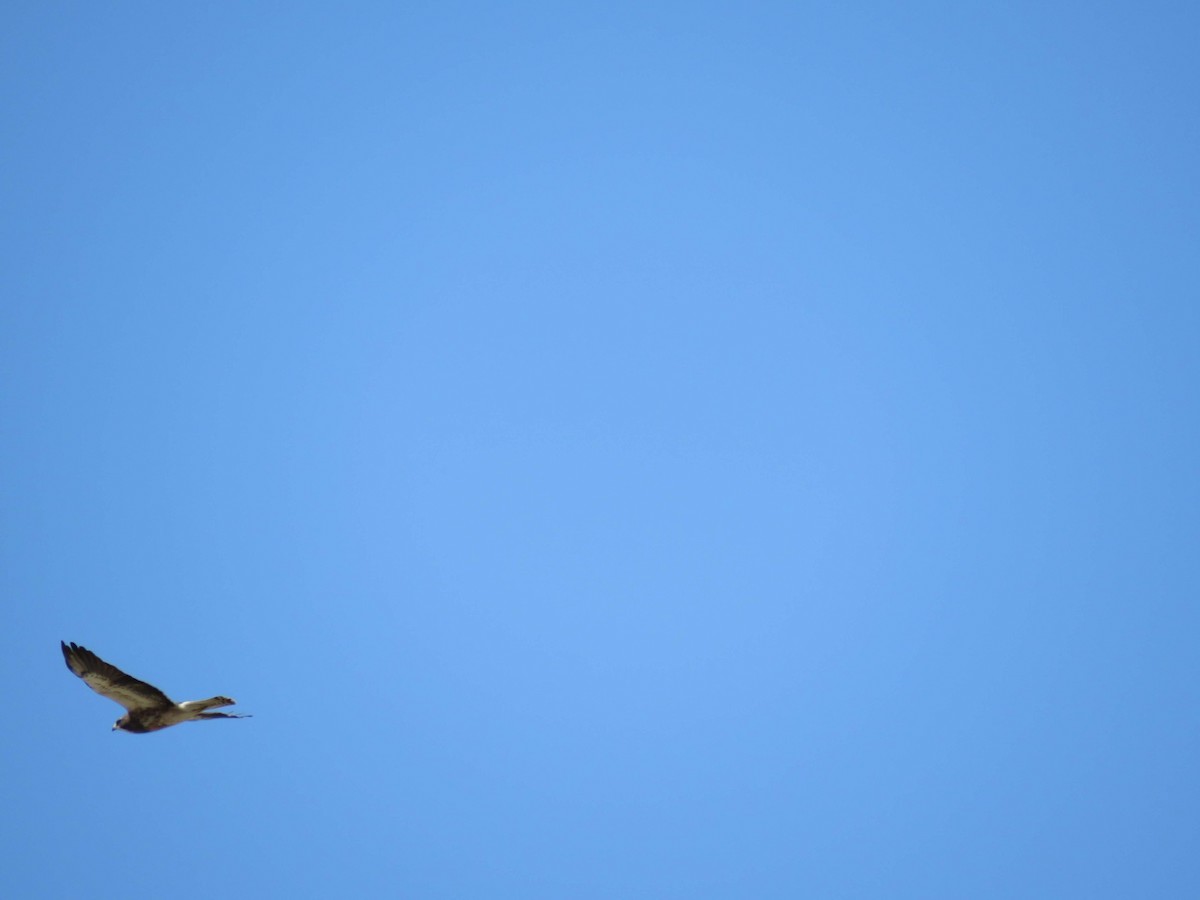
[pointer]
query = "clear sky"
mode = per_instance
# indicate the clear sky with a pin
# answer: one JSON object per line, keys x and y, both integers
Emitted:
{"x": 615, "y": 450}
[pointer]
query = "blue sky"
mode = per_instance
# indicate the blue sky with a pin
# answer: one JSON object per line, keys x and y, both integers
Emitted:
{"x": 614, "y": 450}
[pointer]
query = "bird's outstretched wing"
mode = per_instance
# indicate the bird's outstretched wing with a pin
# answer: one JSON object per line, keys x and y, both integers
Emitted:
{"x": 109, "y": 681}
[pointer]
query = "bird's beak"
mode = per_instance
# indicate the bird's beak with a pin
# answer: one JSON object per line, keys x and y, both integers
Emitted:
{"x": 114, "y": 728}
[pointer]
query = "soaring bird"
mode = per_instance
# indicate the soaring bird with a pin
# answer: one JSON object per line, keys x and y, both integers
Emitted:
{"x": 149, "y": 709}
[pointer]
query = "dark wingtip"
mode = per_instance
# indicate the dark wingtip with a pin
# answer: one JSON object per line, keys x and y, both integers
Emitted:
{"x": 71, "y": 654}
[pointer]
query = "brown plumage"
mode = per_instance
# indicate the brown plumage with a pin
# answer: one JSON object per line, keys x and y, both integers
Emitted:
{"x": 149, "y": 709}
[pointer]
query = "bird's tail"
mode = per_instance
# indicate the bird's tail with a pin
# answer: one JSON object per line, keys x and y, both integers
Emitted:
{"x": 210, "y": 703}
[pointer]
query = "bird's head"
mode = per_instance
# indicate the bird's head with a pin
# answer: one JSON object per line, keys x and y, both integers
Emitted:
{"x": 120, "y": 724}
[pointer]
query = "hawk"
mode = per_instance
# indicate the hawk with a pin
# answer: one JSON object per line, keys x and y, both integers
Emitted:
{"x": 149, "y": 709}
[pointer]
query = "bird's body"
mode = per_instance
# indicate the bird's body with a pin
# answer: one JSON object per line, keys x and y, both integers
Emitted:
{"x": 148, "y": 708}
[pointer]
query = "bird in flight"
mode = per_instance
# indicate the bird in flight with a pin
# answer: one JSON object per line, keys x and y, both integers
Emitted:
{"x": 149, "y": 709}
